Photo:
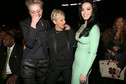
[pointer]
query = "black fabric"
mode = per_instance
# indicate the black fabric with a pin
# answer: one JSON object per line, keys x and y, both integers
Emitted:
{"x": 122, "y": 61}
{"x": 35, "y": 39}
{"x": 62, "y": 50}
{"x": 34, "y": 71}
{"x": 52, "y": 44}
{"x": 118, "y": 54}
{"x": 109, "y": 81}
{"x": 54, "y": 75}
{"x": 14, "y": 61}
{"x": 60, "y": 55}
{"x": 40, "y": 80}
{"x": 34, "y": 68}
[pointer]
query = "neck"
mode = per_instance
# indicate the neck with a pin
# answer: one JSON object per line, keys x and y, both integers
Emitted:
{"x": 119, "y": 30}
{"x": 58, "y": 29}
{"x": 85, "y": 23}
{"x": 11, "y": 45}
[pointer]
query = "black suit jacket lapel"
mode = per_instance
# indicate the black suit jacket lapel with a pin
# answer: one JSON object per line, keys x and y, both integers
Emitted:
{"x": 54, "y": 40}
{"x": 67, "y": 39}
{"x": 13, "y": 52}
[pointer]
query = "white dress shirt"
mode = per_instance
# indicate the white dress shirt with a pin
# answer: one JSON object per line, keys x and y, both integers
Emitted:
{"x": 8, "y": 67}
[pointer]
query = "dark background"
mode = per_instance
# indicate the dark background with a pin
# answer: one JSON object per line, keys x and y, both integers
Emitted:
{"x": 12, "y": 11}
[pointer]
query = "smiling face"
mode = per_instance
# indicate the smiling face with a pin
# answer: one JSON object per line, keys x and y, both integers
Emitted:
{"x": 119, "y": 23}
{"x": 59, "y": 23}
{"x": 86, "y": 10}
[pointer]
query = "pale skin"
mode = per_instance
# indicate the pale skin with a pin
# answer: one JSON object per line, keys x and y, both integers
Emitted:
{"x": 60, "y": 23}
{"x": 36, "y": 13}
{"x": 118, "y": 70}
{"x": 86, "y": 14}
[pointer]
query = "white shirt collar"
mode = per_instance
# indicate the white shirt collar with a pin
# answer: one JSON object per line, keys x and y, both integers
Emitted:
{"x": 11, "y": 48}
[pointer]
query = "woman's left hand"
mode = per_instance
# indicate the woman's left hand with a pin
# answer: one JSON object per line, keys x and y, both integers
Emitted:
{"x": 116, "y": 48}
{"x": 118, "y": 71}
{"x": 83, "y": 78}
{"x": 67, "y": 27}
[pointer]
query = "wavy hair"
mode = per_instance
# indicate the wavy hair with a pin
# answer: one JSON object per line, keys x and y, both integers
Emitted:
{"x": 123, "y": 31}
{"x": 108, "y": 34}
{"x": 92, "y": 20}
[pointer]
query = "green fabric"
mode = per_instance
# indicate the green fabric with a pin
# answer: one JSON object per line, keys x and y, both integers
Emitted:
{"x": 85, "y": 54}
{"x": 4, "y": 74}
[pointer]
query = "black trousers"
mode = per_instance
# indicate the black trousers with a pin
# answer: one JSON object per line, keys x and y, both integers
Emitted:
{"x": 54, "y": 75}
{"x": 124, "y": 82}
{"x": 112, "y": 81}
{"x": 34, "y": 71}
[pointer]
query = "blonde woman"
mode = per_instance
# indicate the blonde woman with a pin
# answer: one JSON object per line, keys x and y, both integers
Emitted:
{"x": 61, "y": 43}
{"x": 34, "y": 65}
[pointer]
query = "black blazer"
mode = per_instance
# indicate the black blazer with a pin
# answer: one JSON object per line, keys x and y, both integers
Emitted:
{"x": 53, "y": 47}
{"x": 14, "y": 61}
{"x": 35, "y": 39}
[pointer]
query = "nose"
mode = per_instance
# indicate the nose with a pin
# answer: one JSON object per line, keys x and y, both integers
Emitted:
{"x": 36, "y": 12}
{"x": 64, "y": 21}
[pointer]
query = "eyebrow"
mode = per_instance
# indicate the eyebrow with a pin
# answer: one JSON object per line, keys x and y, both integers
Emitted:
{"x": 36, "y": 10}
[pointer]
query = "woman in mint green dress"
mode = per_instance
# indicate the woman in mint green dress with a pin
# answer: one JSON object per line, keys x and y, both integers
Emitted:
{"x": 88, "y": 37}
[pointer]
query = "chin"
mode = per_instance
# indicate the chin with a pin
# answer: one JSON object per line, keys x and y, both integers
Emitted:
{"x": 86, "y": 18}
{"x": 62, "y": 27}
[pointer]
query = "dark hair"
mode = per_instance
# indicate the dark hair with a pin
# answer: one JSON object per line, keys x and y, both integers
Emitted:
{"x": 11, "y": 35}
{"x": 92, "y": 20}
{"x": 122, "y": 33}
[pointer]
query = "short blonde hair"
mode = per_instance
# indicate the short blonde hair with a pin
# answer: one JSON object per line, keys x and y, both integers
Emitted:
{"x": 31, "y": 2}
{"x": 56, "y": 13}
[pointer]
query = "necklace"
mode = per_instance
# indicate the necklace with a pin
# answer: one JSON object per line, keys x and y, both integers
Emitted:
{"x": 82, "y": 27}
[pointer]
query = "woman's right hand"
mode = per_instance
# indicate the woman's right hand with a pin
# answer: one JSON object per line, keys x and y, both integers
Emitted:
{"x": 77, "y": 36}
{"x": 111, "y": 52}
{"x": 118, "y": 71}
{"x": 116, "y": 48}
{"x": 35, "y": 18}
{"x": 83, "y": 78}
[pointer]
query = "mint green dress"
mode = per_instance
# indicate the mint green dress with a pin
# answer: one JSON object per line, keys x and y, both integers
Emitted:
{"x": 85, "y": 54}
